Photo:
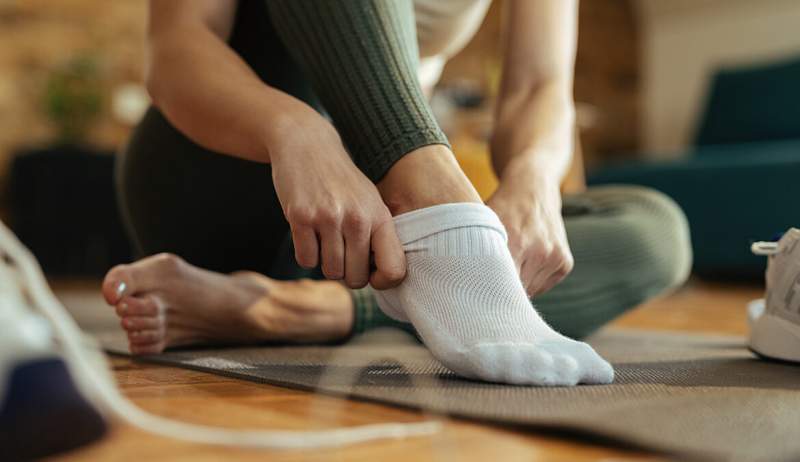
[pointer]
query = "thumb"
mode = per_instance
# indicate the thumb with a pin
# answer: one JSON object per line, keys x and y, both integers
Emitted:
{"x": 390, "y": 260}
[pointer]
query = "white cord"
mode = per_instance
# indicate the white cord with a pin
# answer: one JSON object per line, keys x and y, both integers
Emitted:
{"x": 104, "y": 392}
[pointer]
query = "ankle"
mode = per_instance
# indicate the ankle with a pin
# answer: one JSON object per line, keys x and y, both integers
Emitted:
{"x": 426, "y": 177}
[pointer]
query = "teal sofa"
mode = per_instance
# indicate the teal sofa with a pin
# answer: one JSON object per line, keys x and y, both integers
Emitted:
{"x": 740, "y": 182}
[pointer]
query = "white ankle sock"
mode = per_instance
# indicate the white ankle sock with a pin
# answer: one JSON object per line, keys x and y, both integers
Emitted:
{"x": 463, "y": 295}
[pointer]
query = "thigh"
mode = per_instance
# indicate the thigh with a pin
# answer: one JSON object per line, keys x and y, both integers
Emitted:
{"x": 629, "y": 243}
{"x": 215, "y": 211}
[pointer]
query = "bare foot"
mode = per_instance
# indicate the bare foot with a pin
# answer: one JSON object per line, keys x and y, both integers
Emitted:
{"x": 167, "y": 302}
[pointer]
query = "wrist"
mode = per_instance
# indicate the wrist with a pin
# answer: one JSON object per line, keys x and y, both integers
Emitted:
{"x": 532, "y": 169}
{"x": 287, "y": 122}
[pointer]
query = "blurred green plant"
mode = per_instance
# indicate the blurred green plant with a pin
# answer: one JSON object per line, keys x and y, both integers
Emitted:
{"x": 73, "y": 98}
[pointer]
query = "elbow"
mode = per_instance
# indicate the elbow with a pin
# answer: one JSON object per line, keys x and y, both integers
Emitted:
{"x": 153, "y": 86}
{"x": 533, "y": 87}
{"x": 154, "y": 82}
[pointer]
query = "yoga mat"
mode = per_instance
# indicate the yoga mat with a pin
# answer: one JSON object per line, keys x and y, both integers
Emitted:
{"x": 700, "y": 396}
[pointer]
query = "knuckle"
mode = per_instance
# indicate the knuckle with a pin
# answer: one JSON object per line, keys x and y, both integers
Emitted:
{"x": 556, "y": 257}
{"x": 395, "y": 274}
{"x": 327, "y": 217}
{"x": 538, "y": 253}
{"x": 569, "y": 262}
{"x": 299, "y": 215}
{"x": 356, "y": 222}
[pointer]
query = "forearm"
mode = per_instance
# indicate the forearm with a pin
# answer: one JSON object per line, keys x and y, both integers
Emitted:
{"x": 534, "y": 129}
{"x": 535, "y": 111}
{"x": 209, "y": 93}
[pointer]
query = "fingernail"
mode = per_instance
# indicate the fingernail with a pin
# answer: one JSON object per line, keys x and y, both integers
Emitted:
{"x": 123, "y": 308}
{"x": 121, "y": 286}
{"x": 126, "y": 323}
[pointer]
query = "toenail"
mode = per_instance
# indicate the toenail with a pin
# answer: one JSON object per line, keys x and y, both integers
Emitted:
{"x": 120, "y": 291}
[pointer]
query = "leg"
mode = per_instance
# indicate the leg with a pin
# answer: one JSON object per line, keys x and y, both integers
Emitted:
{"x": 630, "y": 244}
{"x": 215, "y": 211}
{"x": 362, "y": 59}
{"x": 221, "y": 213}
{"x": 462, "y": 293}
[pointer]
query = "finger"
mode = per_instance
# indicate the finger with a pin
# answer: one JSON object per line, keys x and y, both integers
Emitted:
{"x": 553, "y": 281}
{"x": 390, "y": 260}
{"x": 560, "y": 274}
{"x": 538, "y": 281}
{"x": 356, "y": 253}
{"x": 548, "y": 275}
{"x": 332, "y": 253}
{"x": 527, "y": 273}
{"x": 306, "y": 247}
{"x": 137, "y": 306}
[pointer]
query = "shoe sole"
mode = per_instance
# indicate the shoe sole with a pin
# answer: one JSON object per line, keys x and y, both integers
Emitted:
{"x": 775, "y": 338}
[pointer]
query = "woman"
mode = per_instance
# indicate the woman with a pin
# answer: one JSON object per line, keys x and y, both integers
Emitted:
{"x": 291, "y": 130}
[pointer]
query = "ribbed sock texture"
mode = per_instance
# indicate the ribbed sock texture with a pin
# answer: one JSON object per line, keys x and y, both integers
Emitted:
{"x": 463, "y": 296}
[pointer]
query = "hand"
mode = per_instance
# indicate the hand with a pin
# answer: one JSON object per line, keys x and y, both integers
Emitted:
{"x": 529, "y": 205}
{"x": 336, "y": 214}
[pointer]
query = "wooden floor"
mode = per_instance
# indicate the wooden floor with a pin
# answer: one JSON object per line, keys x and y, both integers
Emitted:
{"x": 210, "y": 399}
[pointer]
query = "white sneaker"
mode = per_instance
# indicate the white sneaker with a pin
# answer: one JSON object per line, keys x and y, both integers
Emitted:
{"x": 56, "y": 390}
{"x": 775, "y": 322}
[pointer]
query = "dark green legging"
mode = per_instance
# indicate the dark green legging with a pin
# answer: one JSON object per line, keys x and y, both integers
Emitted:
{"x": 356, "y": 61}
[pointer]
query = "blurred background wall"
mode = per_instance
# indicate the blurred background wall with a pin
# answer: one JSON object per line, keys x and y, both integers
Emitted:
{"x": 684, "y": 41}
{"x": 41, "y": 37}
{"x": 71, "y": 72}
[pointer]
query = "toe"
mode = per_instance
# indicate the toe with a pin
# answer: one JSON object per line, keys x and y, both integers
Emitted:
{"x": 592, "y": 368}
{"x": 514, "y": 363}
{"x": 566, "y": 369}
{"x": 137, "y": 323}
{"x": 138, "y": 306}
{"x": 146, "y": 348}
{"x": 116, "y": 284}
{"x": 144, "y": 337}
{"x": 599, "y": 372}
{"x": 143, "y": 276}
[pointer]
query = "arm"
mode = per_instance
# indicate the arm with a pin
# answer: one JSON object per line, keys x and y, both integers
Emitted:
{"x": 535, "y": 111}
{"x": 211, "y": 95}
{"x": 205, "y": 89}
{"x": 531, "y": 145}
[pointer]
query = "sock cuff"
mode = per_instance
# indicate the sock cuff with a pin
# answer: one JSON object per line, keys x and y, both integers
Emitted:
{"x": 418, "y": 224}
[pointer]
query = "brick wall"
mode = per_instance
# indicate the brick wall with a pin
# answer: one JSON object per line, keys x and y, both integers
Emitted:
{"x": 37, "y": 36}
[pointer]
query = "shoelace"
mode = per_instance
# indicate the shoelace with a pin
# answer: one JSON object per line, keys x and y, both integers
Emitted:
{"x": 89, "y": 368}
{"x": 764, "y": 248}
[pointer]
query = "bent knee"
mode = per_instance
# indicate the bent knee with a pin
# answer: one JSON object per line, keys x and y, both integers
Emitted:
{"x": 659, "y": 240}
